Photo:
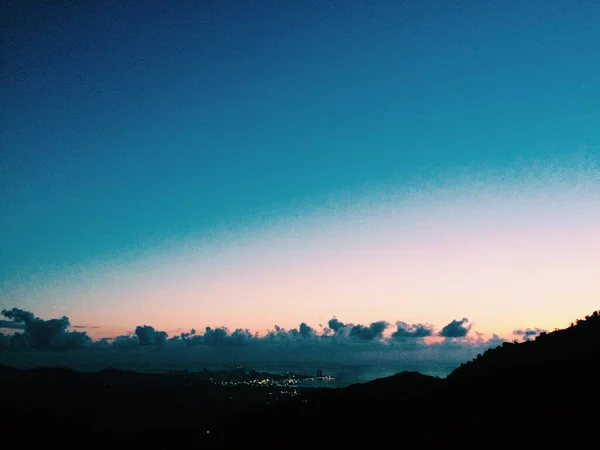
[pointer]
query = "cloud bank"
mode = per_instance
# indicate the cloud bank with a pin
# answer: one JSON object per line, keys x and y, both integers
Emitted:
{"x": 405, "y": 331}
{"x": 42, "y": 334}
{"x": 528, "y": 333}
{"x": 50, "y": 342}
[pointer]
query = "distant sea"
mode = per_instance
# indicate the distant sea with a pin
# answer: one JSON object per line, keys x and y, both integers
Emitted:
{"x": 344, "y": 373}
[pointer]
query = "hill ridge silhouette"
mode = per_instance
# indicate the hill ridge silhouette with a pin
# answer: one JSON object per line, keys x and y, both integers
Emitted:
{"x": 549, "y": 384}
{"x": 541, "y": 392}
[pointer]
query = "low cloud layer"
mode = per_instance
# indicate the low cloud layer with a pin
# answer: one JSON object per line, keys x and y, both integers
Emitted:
{"x": 528, "y": 333}
{"x": 147, "y": 335}
{"x": 405, "y": 331}
{"x": 146, "y": 348}
{"x": 53, "y": 334}
{"x": 373, "y": 331}
{"x": 42, "y": 334}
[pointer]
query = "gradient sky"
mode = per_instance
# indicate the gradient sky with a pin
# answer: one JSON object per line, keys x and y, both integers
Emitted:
{"x": 251, "y": 163}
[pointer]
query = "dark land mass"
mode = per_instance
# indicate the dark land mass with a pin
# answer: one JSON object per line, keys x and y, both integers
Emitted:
{"x": 544, "y": 393}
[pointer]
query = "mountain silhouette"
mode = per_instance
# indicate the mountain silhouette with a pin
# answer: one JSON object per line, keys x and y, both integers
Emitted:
{"x": 543, "y": 392}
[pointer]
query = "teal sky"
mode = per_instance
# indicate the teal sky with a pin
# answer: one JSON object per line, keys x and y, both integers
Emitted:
{"x": 127, "y": 126}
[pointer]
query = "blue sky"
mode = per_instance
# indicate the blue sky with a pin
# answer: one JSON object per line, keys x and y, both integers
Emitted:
{"x": 128, "y": 125}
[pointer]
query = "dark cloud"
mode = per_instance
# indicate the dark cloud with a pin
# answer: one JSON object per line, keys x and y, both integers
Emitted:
{"x": 306, "y": 331}
{"x": 12, "y": 324}
{"x": 279, "y": 334}
{"x": 335, "y": 324}
{"x": 217, "y": 336}
{"x": 144, "y": 335}
{"x": 363, "y": 333}
{"x": 104, "y": 343}
{"x": 241, "y": 337}
{"x": 284, "y": 335}
{"x": 455, "y": 329}
{"x": 85, "y": 326}
{"x": 125, "y": 341}
{"x": 406, "y": 331}
{"x": 44, "y": 334}
{"x": 342, "y": 331}
{"x": 191, "y": 340}
{"x": 187, "y": 336}
{"x": 358, "y": 332}
{"x": 147, "y": 335}
{"x": 529, "y": 333}
{"x": 18, "y": 315}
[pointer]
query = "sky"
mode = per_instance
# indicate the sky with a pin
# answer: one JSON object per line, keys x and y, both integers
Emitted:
{"x": 257, "y": 163}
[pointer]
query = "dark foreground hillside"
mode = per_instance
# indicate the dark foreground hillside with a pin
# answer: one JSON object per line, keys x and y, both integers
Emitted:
{"x": 543, "y": 393}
